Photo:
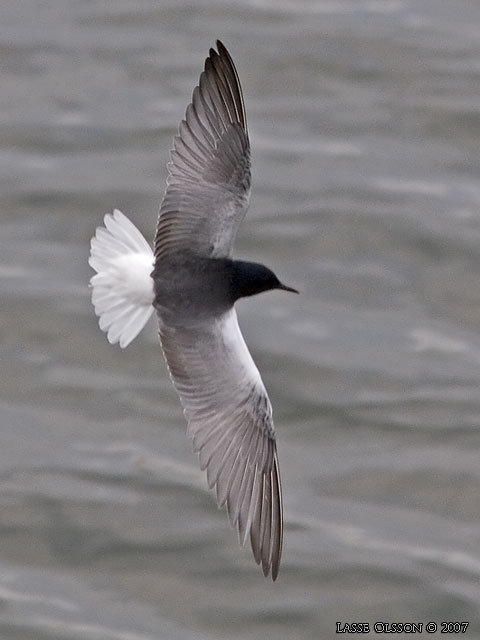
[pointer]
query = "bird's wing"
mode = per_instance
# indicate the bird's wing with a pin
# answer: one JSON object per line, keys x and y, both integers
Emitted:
{"x": 208, "y": 186}
{"x": 229, "y": 418}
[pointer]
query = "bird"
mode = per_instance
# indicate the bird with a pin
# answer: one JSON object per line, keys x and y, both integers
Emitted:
{"x": 192, "y": 282}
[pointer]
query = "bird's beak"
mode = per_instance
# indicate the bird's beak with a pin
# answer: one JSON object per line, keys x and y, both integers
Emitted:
{"x": 284, "y": 287}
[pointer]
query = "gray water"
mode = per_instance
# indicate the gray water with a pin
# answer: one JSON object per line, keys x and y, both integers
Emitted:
{"x": 364, "y": 119}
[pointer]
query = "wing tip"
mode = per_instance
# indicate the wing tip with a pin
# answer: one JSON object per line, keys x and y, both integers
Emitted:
{"x": 222, "y": 49}
{"x": 266, "y": 533}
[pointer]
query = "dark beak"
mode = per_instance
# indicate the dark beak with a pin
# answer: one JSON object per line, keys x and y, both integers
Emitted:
{"x": 284, "y": 287}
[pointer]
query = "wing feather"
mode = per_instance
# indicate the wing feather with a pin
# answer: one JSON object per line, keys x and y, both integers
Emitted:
{"x": 230, "y": 420}
{"x": 208, "y": 186}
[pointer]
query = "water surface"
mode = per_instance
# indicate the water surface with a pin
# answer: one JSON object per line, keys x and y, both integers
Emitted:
{"x": 365, "y": 128}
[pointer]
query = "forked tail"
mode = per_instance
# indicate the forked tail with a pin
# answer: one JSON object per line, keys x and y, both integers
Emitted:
{"x": 122, "y": 289}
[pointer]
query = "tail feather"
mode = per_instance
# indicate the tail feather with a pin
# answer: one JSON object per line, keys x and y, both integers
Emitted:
{"x": 122, "y": 289}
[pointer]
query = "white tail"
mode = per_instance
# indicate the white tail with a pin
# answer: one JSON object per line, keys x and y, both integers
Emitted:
{"x": 122, "y": 289}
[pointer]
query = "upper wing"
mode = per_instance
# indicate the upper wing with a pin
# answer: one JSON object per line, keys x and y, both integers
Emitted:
{"x": 208, "y": 186}
{"x": 229, "y": 417}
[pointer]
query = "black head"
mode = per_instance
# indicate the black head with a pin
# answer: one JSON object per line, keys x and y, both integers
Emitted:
{"x": 250, "y": 278}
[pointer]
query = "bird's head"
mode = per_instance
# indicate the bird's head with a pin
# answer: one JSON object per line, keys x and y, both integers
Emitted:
{"x": 250, "y": 278}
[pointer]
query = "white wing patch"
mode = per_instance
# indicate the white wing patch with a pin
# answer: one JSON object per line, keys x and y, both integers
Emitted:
{"x": 235, "y": 343}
